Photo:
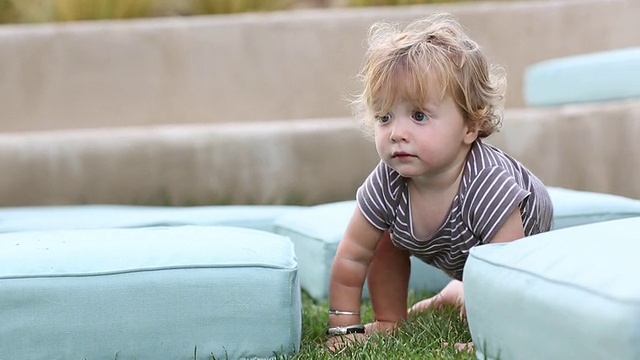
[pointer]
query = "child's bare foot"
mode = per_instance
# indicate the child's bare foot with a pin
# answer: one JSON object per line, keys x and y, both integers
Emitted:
{"x": 433, "y": 302}
{"x": 452, "y": 294}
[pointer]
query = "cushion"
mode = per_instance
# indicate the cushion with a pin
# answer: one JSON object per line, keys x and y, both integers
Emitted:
{"x": 602, "y": 76}
{"x": 259, "y": 217}
{"x": 564, "y": 294}
{"x": 572, "y": 207}
{"x": 148, "y": 293}
{"x": 316, "y": 232}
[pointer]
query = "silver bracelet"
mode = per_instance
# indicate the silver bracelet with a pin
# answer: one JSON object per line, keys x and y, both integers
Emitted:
{"x": 341, "y": 312}
{"x": 344, "y": 330}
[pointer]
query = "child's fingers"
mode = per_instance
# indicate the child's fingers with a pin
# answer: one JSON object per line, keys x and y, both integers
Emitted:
{"x": 385, "y": 327}
{"x": 338, "y": 342}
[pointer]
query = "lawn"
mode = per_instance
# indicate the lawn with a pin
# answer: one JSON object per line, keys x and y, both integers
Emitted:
{"x": 421, "y": 337}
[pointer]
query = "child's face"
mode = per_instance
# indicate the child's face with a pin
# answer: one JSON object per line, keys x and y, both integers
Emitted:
{"x": 423, "y": 141}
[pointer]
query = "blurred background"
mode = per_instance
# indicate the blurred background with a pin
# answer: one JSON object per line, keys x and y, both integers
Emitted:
{"x": 200, "y": 102}
{"x": 29, "y": 11}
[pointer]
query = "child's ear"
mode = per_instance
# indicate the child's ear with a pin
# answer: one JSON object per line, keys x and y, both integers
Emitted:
{"x": 473, "y": 128}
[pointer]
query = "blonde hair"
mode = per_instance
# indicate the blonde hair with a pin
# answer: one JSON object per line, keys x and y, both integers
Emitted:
{"x": 435, "y": 58}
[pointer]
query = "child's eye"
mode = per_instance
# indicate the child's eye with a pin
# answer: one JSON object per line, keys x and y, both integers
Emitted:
{"x": 419, "y": 116}
{"x": 383, "y": 118}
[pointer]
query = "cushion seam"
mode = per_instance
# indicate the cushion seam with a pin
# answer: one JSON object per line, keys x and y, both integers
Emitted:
{"x": 150, "y": 269}
{"x": 557, "y": 282}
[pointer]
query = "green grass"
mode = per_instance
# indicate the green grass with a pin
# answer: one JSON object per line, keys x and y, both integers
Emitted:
{"x": 421, "y": 337}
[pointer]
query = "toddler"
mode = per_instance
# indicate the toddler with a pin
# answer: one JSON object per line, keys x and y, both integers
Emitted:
{"x": 429, "y": 98}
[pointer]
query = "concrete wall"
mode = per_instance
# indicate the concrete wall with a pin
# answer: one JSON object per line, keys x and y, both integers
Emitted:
{"x": 256, "y": 67}
{"x": 251, "y": 109}
{"x": 587, "y": 147}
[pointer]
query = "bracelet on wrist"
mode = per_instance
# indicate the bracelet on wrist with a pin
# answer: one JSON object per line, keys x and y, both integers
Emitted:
{"x": 344, "y": 330}
{"x": 343, "y": 312}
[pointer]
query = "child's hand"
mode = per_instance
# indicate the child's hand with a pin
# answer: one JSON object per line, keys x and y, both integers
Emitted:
{"x": 335, "y": 343}
{"x": 383, "y": 327}
{"x": 338, "y": 342}
{"x": 452, "y": 294}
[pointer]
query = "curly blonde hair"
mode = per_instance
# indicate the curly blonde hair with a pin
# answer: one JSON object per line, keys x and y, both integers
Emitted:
{"x": 427, "y": 59}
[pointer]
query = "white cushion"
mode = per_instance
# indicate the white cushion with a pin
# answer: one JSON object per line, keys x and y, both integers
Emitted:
{"x": 602, "y": 76}
{"x": 259, "y": 217}
{"x": 572, "y": 207}
{"x": 149, "y": 293}
{"x": 316, "y": 232}
{"x": 565, "y": 294}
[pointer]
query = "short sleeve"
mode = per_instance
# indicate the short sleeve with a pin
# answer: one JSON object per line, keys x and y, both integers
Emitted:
{"x": 375, "y": 197}
{"x": 492, "y": 196}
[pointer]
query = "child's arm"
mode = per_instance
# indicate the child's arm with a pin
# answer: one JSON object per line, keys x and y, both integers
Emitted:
{"x": 349, "y": 269}
{"x": 512, "y": 229}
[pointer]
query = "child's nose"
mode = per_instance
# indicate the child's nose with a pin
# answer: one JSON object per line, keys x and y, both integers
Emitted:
{"x": 399, "y": 131}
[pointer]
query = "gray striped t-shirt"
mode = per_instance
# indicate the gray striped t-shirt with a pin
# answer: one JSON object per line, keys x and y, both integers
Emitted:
{"x": 492, "y": 185}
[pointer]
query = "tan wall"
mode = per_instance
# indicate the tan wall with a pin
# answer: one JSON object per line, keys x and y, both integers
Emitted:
{"x": 591, "y": 147}
{"x": 587, "y": 147}
{"x": 140, "y": 88}
{"x": 259, "y": 67}
{"x": 292, "y": 162}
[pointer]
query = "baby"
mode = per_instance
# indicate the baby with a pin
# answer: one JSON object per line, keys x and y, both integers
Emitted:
{"x": 429, "y": 98}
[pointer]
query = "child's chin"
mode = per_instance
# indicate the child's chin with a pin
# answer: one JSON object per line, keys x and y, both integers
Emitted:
{"x": 409, "y": 174}
{"x": 406, "y": 170}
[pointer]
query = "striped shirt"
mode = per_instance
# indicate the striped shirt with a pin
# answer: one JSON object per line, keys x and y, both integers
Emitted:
{"x": 492, "y": 185}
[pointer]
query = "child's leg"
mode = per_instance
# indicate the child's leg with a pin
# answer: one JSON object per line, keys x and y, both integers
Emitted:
{"x": 388, "y": 282}
{"x": 452, "y": 294}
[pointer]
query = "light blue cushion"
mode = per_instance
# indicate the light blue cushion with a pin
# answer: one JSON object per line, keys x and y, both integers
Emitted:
{"x": 571, "y": 207}
{"x": 259, "y": 217}
{"x": 149, "y": 293}
{"x": 565, "y": 294}
{"x": 316, "y": 232}
{"x": 602, "y": 76}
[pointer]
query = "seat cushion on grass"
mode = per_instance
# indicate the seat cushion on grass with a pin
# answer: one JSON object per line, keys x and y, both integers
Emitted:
{"x": 149, "y": 293}
{"x": 316, "y": 232}
{"x": 602, "y": 76}
{"x": 565, "y": 294}
{"x": 571, "y": 207}
{"x": 259, "y": 217}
